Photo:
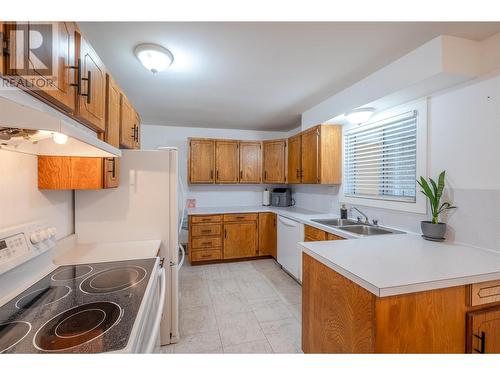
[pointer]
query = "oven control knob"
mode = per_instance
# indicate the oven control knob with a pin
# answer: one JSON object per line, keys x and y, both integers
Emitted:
{"x": 35, "y": 237}
{"x": 44, "y": 234}
{"x": 52, "y": 231}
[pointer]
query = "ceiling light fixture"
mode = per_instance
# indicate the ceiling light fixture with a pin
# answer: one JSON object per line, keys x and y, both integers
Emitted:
{"x": 155, "y": 58}
{"x": 360, "y": 115}
{"x": 60, "y": 138}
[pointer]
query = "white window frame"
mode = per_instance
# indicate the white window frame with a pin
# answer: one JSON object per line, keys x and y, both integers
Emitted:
{"x": 420, "y": 204}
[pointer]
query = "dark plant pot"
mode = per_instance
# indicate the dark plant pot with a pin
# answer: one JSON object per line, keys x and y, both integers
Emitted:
{"x": 434, "y": 231}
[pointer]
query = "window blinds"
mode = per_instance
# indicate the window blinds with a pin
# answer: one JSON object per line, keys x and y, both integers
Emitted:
{"x": 380, "y": 159}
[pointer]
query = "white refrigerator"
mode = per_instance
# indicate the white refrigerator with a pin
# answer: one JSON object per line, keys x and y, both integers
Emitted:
{"x": 143, "y": 207}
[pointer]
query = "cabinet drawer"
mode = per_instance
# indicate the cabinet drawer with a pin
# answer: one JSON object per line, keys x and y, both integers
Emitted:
{"x": 331, "y": 237}
{"x": 204, "y": 242}
{"x": 314, "y": 233}
{"x": 205, "y": 230}
{"x": 203, "y": 255}
{"x": 483, "y": 293}
{"x": 240, "y": 217}
{"x": 206, "y": 219}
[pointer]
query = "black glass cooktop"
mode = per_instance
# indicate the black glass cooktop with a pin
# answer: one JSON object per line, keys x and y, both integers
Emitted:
{"x": 88, "y": 308}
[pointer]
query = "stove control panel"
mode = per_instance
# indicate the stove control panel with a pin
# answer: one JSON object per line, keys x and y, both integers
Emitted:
{"x": 22, "y": 243}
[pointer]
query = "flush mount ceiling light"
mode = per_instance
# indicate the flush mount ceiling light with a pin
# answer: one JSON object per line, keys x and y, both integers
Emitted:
{"x": 155, "y": 58}
{"x": 360, "y": 115}
{"x": 60, "y": 138}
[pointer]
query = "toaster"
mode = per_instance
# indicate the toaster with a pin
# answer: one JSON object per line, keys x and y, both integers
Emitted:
{"x": 281, "y": 197}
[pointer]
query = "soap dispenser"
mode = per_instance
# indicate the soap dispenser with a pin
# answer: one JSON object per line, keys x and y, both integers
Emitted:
{"x": 343, "y": 211}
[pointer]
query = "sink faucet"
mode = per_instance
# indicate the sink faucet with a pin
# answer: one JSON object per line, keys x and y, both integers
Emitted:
{"x": 367, "y": 221}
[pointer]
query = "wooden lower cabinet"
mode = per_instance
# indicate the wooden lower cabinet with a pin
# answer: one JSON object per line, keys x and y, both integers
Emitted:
{"x": 77, "y": 173}
{"x": 315, "y": 234}
{"x": 240, "y": 240}
{"x": 339, "y": 316}
{"x": 267, "y": 234}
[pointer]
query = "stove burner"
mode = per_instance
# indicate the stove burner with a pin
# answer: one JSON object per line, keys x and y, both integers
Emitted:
{"x": 12, "y": 333}
{"x": 77, "y": 326}
{"x": 113, "y": 280}
{"x": 43, "y": 296}
{"x": 71, "y": 272}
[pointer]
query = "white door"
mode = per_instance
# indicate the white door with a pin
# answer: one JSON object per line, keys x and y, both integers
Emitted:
{"x": 290, "y": 232}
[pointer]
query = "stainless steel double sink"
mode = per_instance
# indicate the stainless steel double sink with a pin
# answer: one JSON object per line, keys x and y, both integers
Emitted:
{"x": 356, "y": 227}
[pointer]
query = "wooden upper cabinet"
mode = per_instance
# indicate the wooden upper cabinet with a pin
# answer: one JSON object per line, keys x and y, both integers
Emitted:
{"x": 91, "y": 80}
{"x": 294, "y": 159}
{"x": 250, "y": 162}
{"x": 274, "y": 156}
{"x": 113, "y": 109}
{"x": 321, "y": 155}
{"x": 483, "y": 331}
{"x": 201, "y": 164}
{"x": 128, "y": 124}
{"x": 267, "y": 234}
{"x": 77, "y": 173}
{"x": 240, "y": 240}
{"x": 3, "y": 43}
{"x": 226, "y": 162}
{"x": 46, "y": 71}
{"x": 137, "y": 127}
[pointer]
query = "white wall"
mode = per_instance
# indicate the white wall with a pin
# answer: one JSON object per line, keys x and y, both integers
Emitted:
{"x": 21, "y": 201}
{"x": 464, "y": 140}
{"x": 153, "y": 136}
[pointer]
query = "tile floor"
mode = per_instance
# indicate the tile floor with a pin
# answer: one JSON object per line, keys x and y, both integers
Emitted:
{"x": 242, "y": 307}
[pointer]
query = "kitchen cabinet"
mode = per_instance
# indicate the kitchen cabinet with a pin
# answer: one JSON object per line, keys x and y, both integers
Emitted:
{"x": 321, "y": 155}
{"x": 295, "y": 159}
{"x": 315, "y": 234}
{"x": 113, "y": 111}
{"x": 240, "y": 239}
{"x": 77, "y": 173}
{"x": 46, "y": 71}
{"x": 483, "y": 331}
{"x": 484, "y": 293}
{"x": 205, "y": 240}
{"x": 201, "y": 164}
{"x": 267, "y": 234}
{"x": 4, "y": 44}
{"x": 91, "y": 86}
{"x": 274, "y": 161}
{"x": 128, "y": 124}
{"x": 137, "y": 127}
{"x": 226, "y": 162}
{"x": 250, "y": 162}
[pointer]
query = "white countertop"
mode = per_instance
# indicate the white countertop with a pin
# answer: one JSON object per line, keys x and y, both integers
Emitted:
{"x": 387, "y": 265}
{"x": 405, "y": 263}
{"x": 69, "y": 251}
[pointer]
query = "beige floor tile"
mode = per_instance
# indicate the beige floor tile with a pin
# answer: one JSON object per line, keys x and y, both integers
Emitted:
{"x": 190, "y": 298}
{"x": 239, "y": 328}
{"x": 296, "y": 311}
{"x": 165, "y": 349}
{"x": 265, "y": 312}
{"x": 205, "y": 342}
{"x": 197, "y": 320}
{"x": 230, "y": 303}
{"x": 291, "y": 296}
{"x": 280, "y": 280}
{"x": 223, "y": 286}
{"x": 266, "y": 265}
{"x": 283, "y": 335}
{"x": 255, "y": 347}
{"x": 256, "y": 288}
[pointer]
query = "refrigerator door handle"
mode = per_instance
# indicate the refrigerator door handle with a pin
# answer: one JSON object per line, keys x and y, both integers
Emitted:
{"x": 179, "y": 265}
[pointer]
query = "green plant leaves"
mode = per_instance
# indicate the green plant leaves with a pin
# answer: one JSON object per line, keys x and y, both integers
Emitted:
{"x": 434, "y": 193}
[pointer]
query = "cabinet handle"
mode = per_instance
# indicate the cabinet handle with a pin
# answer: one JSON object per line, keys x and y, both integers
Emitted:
{"x": 206, "y": 256}
{"x": 241, "y": 174}
{"x": 113, "y": 168}
{"x": 78, "y": 84}
{"x": 206, "y": 231}
{"x": 89, "y": 86}
{"x": 211, "y": 175}
{"x": 274, "y": 223}
{"x": 207, "y": 243}
{"x": 136, "y": 133}
{"x": 217, "y": 175}
{"x": 225, "y": 233}
{"x": 240, "y": 217}
{"x": 265, "y": 175}
{"x": 298, "y": 173}
{"x": 482, "y": 339}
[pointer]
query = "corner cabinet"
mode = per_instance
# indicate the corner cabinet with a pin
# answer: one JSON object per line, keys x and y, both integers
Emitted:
{"x": 77, "y": 173}
{"x": 274, "y": 161}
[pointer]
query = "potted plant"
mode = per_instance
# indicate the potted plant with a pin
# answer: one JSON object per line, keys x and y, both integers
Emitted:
{"x": 434, "y": 230}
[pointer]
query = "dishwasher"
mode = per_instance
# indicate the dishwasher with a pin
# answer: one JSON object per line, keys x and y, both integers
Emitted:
{"x": 290, "y": 232}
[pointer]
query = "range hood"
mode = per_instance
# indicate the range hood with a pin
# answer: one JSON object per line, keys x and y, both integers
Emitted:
{"x": 29, "y": 126}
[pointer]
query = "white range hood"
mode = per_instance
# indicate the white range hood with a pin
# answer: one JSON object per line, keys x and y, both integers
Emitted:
{"x": 28, "y": 125}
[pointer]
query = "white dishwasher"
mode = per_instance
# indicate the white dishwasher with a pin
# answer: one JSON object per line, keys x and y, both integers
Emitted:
{"x": 289, "y": 254}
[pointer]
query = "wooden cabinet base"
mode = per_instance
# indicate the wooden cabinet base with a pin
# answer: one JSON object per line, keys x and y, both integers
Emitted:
{"x": 338, "y": 316}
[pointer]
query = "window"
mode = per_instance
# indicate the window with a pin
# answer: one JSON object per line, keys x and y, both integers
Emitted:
{"x": 382, "y": 161}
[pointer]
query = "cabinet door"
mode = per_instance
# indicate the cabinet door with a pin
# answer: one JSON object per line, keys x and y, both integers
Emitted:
{"x": 226, "y": 162}
{"x": 127, "y": 124}
{"x": 274, "y": 161}
{"x": 250, "y": 163}
{"x": 240, "y": 240}
{"x": 92, "y": 86}
{"x": 137, "y": 124}
{"x": 201, "y": 161}
{"x": 69, "y": 172}
{"x": 111, "y": 172}
{"x": 3, "y": 42}
{"x": 42, "y": 54}
{"x": 483, "y": 331}
{"x": 113, "y": 100}
{"x": 267, "y": 234}
{"x": 294, "y": 159}
{"x": 310, "y": 156}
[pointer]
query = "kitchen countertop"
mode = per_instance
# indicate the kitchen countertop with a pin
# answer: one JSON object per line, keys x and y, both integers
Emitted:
{"x": 69, "y": 251}
{"x": 387, "y": 265}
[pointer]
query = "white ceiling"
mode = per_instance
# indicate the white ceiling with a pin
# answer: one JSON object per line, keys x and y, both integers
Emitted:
{"x": 258, "y": 76}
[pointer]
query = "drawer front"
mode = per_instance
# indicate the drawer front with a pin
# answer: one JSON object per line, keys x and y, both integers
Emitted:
{"x": 331, "y": 236}
{"x": 314, "y": 233}
{"x": 205, "y": 230}
{"x": 205, "y": 255}
{"x": 483, "y": 293}
{"x": 206, "y": 219}
{"x": 240, "y": 217}
{"x": 205, "y": 242}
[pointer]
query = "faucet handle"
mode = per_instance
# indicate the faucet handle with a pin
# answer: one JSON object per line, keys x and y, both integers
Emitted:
{"x": 375, "y": 222}
{"x": 359, "y": 219}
